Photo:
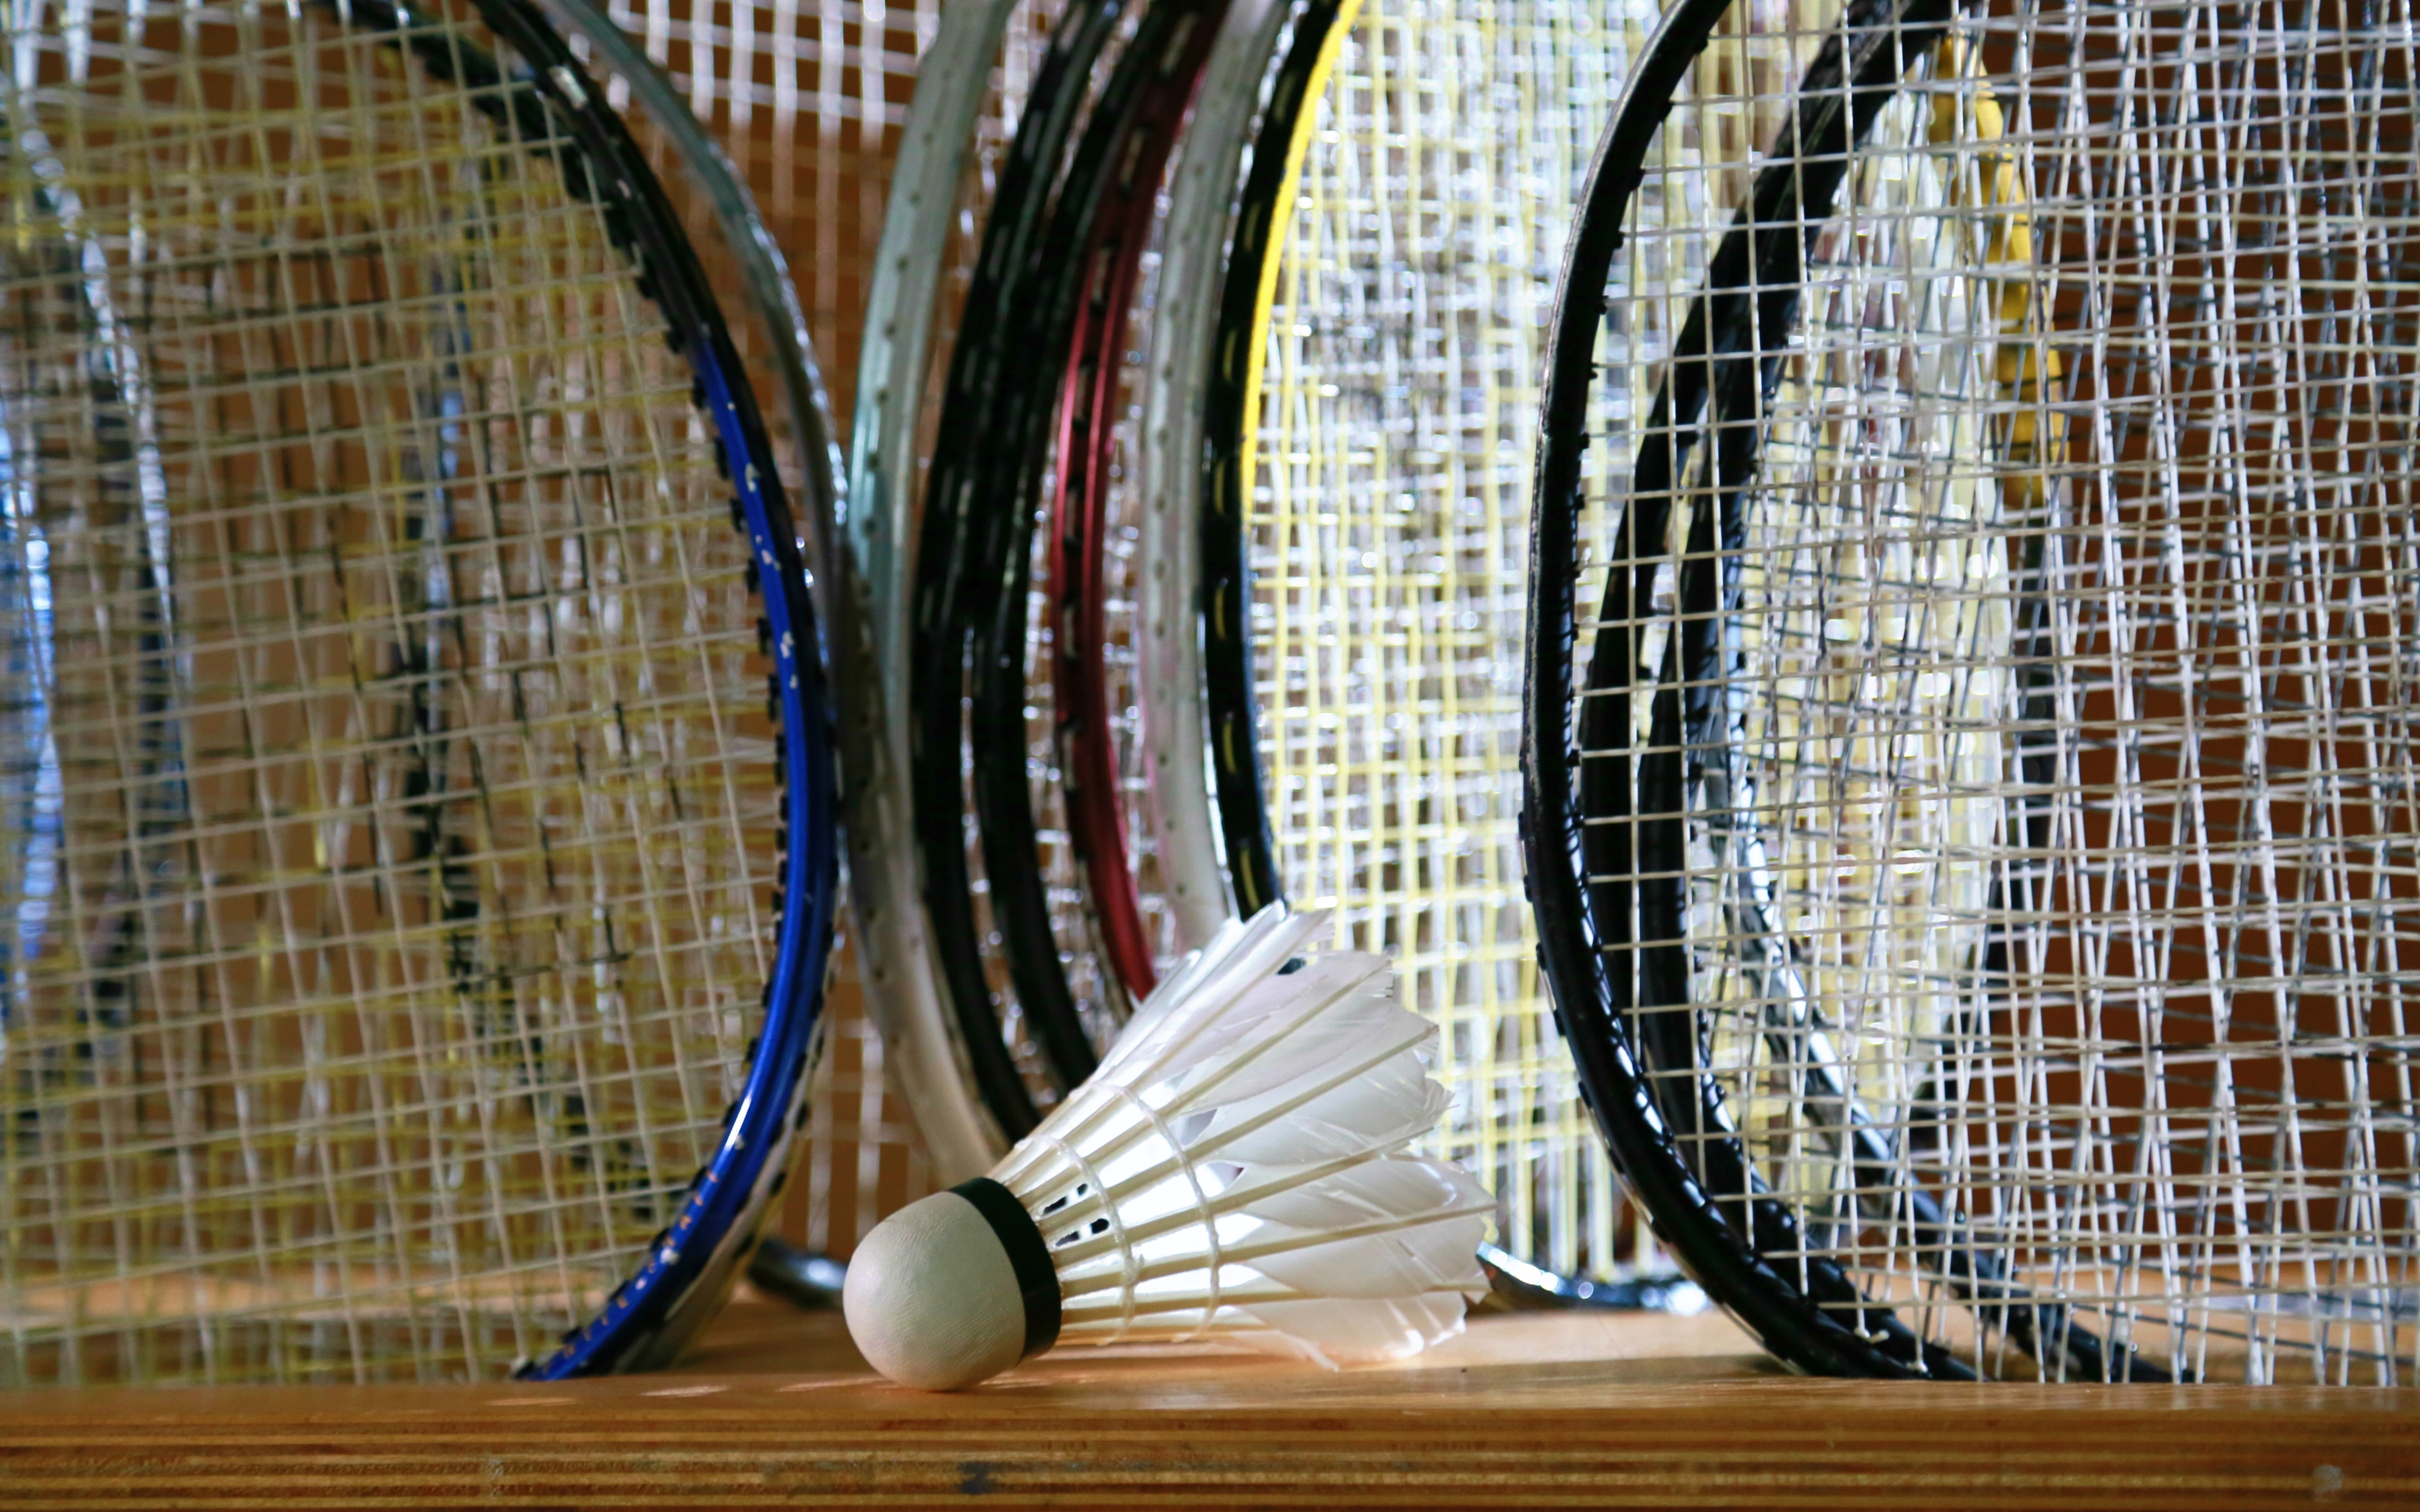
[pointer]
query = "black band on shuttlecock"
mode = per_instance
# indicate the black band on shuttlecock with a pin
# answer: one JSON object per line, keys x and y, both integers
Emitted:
{"x": 1028, "y": 1255}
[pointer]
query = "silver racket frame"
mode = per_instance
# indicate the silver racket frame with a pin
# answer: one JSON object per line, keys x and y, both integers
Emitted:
{"x": 875, "y": 580}
{"x": 1182, "y": 809}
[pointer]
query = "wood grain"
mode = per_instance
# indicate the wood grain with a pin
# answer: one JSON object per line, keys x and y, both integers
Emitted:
{"x": 1535, "y": 1411}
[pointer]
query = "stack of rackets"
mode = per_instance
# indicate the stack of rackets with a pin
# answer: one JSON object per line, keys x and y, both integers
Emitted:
{"x": 1189, "y": 492}
{"x": 1964, "y": 547}
{"x": 1835, "y": 581}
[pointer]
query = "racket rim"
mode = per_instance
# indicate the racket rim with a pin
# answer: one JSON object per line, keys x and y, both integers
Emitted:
{"x": 1590, "y": 1000}
{"x": 653, "y": 1313}
{"x": 1080, "y": 498}
{"x": 1003, "y": 768}
{"x": 1248, "y": 288}
{"x": 924, "y": 1041}
{"x": 960, "y": 559}
{"x": 1180, "y": 809}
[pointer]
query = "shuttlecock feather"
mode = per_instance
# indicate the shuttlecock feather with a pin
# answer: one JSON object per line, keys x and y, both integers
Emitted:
{"x": 1233, "y": 1170}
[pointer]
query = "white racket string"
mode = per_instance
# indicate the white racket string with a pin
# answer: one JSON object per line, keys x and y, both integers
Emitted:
{"x": 1388, "y": 517}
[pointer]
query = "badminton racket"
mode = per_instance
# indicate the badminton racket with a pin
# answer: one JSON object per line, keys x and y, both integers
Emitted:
{"x": 1969, "y": 761}
{"x": 1362, "y": 377}
{"x": 420, "y": 848}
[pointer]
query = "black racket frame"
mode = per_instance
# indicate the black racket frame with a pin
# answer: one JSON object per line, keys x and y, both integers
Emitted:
{"x": 961, "y": 549}
{"x": 1590, "y": 863}
{"x": 1226, "y": 591}
{"x": 974, "y": 563}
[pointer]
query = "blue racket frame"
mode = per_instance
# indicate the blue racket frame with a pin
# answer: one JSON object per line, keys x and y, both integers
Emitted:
{"x": 691, "y": 1265}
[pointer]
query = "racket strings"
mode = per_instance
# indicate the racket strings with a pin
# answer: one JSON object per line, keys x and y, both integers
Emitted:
{"x": 2031, "y": 642}
{"x": 387, "y": 912}
{"x": 1387, "y": 528}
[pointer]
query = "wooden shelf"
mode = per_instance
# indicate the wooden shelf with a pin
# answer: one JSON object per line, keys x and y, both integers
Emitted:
{"x": 1536, "y": 1410}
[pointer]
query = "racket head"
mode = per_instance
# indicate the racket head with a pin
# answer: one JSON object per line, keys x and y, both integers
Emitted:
{"x": 1052, "y": 810}
{"x": 1870, "y": 796}
{"x": 1363, "y": 382}
{"x": 1231, "y": 416}
{"x": 204, "y": 1038}
{"x": 1000, "y": 603}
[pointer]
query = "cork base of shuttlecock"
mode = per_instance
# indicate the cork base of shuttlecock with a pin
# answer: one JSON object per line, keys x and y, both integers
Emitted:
{"x": 932, "y": 1298}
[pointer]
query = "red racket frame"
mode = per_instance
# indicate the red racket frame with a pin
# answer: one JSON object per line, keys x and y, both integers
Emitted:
{"x": 1080, "y": 504}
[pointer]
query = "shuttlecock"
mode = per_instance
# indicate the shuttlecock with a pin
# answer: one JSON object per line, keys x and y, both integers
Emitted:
{"x": 1233, "y": 1170}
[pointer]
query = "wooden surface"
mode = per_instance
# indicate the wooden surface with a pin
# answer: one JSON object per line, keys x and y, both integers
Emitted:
{"x": 1530, "y": 1411}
